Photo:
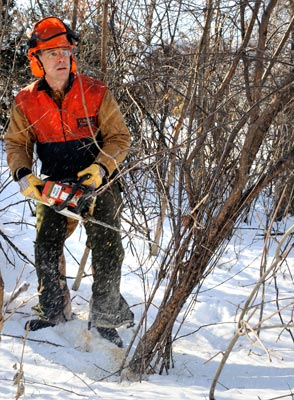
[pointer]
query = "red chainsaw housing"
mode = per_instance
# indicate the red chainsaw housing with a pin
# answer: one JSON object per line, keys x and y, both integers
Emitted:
{"x": 56, "y": 193}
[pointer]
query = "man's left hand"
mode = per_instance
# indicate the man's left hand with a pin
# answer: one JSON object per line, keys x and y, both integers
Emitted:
{"x": 95, "y": 173}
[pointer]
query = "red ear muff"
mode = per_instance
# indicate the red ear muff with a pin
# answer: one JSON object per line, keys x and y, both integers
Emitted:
{"x": 36, "y": 67}
{"x": 73, "y": 64}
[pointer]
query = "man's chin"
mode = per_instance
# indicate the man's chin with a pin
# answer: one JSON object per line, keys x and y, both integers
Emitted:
{"x": 61, "y": 74}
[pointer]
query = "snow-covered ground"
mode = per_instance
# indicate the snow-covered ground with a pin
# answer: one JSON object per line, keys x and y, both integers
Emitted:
{"x": 69, "y": 362}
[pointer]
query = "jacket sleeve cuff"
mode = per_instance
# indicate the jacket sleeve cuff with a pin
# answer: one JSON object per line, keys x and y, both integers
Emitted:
{"x": 103, "y": 168}
{"x": 21, "y": 172}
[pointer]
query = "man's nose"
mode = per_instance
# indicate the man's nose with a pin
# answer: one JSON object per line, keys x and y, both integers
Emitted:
{"x": 60, "y": 55}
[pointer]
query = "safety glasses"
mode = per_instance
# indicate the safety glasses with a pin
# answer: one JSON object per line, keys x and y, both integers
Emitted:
{"x": 53, "y": 54}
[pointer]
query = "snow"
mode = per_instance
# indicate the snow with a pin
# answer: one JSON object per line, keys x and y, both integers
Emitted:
{"x": 70, "y": 362}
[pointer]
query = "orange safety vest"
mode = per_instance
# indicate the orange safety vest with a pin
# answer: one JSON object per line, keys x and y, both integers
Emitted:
{"x": 67, "y": 138}
{"x": 76, "y": 119}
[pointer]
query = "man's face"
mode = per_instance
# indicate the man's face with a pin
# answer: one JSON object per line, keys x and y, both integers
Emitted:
{"x": 56, "y": 62}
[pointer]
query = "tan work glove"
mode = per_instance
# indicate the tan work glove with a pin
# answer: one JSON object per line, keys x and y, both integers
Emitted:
{"x": 29, "y": 186}
{"x": 96, "y": 175}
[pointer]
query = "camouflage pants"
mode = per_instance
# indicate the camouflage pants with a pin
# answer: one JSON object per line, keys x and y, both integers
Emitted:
{"x": 107, "y": 306}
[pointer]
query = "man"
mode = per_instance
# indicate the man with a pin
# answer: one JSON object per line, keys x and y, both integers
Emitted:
{"x": 78, "y": 130}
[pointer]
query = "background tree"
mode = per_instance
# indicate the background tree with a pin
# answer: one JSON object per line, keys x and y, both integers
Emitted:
{"x": 12, "y": 56}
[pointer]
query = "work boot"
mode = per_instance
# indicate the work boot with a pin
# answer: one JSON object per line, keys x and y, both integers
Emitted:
{"x": 111, "y": 335}
{"x": 36, "y": 324}
{"x": 43, "y": 322}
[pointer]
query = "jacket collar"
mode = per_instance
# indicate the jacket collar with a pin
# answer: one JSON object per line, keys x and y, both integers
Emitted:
{"x": 43, "y": 85}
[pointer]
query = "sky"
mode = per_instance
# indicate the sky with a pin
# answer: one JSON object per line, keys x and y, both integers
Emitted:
{"x": 70, "y": 362}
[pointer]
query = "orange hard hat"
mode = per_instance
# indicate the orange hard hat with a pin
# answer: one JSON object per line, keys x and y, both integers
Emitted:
{"x": 49, "y": 33}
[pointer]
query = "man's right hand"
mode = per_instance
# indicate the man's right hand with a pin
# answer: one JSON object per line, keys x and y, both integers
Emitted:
{"x": 29, "y": 186}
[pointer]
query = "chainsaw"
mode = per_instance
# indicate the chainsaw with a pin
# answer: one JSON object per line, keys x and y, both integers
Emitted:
{"x": 71, "y": 199}
{"x": 75, "y": 200}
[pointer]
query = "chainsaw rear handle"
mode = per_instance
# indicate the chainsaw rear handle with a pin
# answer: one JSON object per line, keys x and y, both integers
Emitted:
{"x": 75, "y": 188}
